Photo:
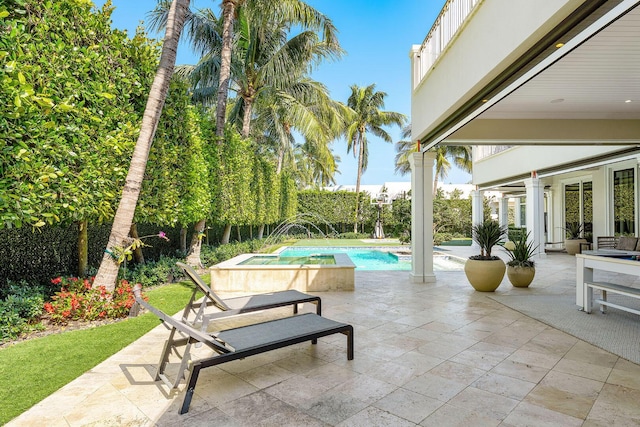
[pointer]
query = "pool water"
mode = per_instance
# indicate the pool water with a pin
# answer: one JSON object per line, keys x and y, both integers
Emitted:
{"x": 368, "y": 259}
{"x": 363, "y": 258}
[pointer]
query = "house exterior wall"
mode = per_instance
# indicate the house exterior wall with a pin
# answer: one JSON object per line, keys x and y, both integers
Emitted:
{"x": 480, "y": 51}
{"x": 510, "y": 162}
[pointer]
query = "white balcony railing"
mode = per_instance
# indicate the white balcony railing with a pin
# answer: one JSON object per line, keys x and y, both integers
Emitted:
{"x": 484, "y": 151}
{"x": 451, "y": 18}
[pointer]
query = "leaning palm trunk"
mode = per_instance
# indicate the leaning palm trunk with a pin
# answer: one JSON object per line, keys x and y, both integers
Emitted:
{"x": 228, "y": 12}
{"x": 228, "y": 15}
{"x": 108, "y": 271}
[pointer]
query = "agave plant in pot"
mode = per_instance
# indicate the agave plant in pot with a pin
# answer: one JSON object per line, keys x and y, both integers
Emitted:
{"x": 521, "y": 267}
{"x": 485, "y": 271}
{"x": 573, "y": 238}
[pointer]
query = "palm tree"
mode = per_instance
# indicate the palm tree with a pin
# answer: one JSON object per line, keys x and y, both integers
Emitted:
{"x": 108, "y": 271}
{"x": 461, "y": 156}
{"x": 364, "y": 116}
{"x": 255, "y": 58}
{"x": 269, "y": 65}
{"x": 269, "y": 62}
{"x": 305, "y": 107}
{"x": 404, "y": 148}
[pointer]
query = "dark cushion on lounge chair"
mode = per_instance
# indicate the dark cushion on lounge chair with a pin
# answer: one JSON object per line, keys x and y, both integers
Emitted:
{"x": 627, "y": 243}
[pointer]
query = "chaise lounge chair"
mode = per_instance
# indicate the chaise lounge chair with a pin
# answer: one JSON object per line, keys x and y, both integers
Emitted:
{"x": 238, "y": 305}
{"x": 245, "y": 341}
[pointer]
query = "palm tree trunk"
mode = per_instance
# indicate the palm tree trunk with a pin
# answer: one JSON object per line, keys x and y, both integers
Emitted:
{"x": 228, "y": 15}
{"x": 108, "y": 271}
{"x": 246, "y": 118}
{"x": 360, "y": 158}
{"x": 83, "y": 248}
{"x": 280, "y": 161}
{"x": 435, "y": 184}
{"x": 193, "y": 257}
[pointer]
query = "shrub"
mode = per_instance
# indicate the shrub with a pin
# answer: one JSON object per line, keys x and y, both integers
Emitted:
{"x": 438, "y": 238}
{"x": 20, "y": 310}
{"x": 211, "y": 255}
{"x": 77, "y": 300}
{"x": 353, "y": 235}
{"x": 153, "y": 273}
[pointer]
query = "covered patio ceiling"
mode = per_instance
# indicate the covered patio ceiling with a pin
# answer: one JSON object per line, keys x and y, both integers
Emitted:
{"x": 579, "y": 86}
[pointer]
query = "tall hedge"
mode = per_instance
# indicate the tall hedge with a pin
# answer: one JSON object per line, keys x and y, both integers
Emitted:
{"x": 176, "y": 186}
{"x": 73, "y": 92}
{"x": 334, "y": 207}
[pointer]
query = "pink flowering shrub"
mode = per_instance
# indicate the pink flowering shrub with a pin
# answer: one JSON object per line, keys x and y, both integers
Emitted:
{"x": 77, "y": 300}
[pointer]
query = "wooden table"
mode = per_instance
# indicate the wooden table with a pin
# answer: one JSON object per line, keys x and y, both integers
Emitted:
{"x": 585, "y": 264}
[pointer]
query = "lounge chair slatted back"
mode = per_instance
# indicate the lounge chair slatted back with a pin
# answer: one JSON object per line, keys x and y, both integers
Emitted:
{"x": 245, "y": 341}
{"x": 238, "y": 305}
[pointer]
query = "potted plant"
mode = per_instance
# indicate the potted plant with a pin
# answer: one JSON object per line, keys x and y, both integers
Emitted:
{"x": 520, "y": 267}
{"x": 485, "y": 271}
{"x": 573, "y": 237}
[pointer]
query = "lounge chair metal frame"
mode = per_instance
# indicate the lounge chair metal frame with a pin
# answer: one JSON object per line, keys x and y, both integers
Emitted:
{"x": 227, "y": 308}
{"x": 237, "y": 305}
{"x": 245, "y": 341}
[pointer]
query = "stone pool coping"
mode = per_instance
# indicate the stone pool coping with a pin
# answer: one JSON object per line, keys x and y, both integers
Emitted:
{"x": 232, "y": 276}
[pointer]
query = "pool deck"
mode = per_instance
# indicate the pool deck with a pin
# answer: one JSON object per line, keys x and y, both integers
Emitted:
{"x": 436, "y": 354}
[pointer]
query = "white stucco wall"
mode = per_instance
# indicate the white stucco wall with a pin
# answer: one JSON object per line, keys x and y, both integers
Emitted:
{"x": 518, "y": 160}
{"x": 498, "y": 32}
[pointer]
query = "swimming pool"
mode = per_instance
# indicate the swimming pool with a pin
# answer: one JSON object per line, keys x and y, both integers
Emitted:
{"x": 372, "y": 259}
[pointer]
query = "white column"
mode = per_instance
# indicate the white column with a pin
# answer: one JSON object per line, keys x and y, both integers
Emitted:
{"x": 550, "y": 222}
{"x": 517, "y": 220}
{"x": 503, "y": 211}
{"x": 422, "y": 217}
{"x": 477, "y": 210}
{"x": 535, "y": 213}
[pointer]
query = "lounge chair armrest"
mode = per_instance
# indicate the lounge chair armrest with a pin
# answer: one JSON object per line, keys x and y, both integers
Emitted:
{"x": 181, "y": 326}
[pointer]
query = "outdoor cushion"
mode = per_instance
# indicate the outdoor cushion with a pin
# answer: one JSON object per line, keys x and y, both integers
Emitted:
{"x": 627, "y": 243}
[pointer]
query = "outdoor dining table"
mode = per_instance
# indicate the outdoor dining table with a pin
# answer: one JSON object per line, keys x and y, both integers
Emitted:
{"x": 614, "y": 261}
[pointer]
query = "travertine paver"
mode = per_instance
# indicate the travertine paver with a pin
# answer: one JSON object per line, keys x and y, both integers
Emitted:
{"x": 426, "y": 354}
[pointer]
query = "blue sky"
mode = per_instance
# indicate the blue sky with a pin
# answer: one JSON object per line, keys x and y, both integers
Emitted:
{"x": 377, "y": 36}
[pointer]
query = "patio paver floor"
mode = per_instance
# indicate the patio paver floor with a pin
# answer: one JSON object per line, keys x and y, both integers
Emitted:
{"x": 426, "y": 354}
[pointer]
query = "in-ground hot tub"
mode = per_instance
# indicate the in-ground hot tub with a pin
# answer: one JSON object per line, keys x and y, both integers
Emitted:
{"x": 270, "y": 272}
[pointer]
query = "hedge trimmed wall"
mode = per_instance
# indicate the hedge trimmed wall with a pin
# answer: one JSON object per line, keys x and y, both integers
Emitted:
{"x": 48, "y": 252}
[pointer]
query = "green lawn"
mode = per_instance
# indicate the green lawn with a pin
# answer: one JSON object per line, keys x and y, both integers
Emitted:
{"x": 344, "y": 242}
{"x": 34, "y": 369}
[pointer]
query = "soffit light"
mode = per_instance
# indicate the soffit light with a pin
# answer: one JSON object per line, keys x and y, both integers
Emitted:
{"x": 559, "y": 45}
{"x": 557, "y": 101}
{"x": 628, "y": 101}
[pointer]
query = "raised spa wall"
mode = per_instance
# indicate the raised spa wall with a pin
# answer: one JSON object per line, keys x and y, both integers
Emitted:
{"x": 231, "y": 276}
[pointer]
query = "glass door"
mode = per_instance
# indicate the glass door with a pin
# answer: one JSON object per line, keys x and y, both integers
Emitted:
{"x": 624, "y": 207}
{"x": 578, "y": 203}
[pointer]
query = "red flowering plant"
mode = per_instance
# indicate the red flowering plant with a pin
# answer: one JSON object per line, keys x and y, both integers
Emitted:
{"x": 77, "y": 300}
